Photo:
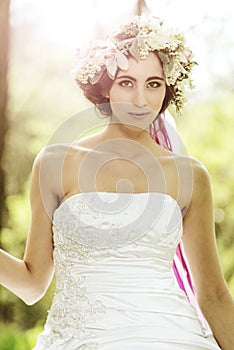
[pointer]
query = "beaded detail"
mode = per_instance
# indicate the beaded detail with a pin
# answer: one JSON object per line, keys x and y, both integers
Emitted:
{"x": 72, "y": 310}
{"x": 108, "y": 288}
{"x": 108, "y": 224}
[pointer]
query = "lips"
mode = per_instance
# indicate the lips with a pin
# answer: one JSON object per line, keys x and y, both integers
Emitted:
{"x": 137, "y": 115}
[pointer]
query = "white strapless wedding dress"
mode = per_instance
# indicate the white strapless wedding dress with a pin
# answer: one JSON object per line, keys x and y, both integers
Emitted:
{"x": 115, "y": 287}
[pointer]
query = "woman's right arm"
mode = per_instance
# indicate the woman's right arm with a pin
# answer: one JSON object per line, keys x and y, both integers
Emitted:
{"x": 30, "y": 277}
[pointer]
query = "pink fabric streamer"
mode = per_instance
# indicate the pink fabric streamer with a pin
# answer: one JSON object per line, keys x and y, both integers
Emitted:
{"x": 181, "y": 269}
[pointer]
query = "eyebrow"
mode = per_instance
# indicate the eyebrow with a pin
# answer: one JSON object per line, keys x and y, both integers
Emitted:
{"x": 148, "y": 79}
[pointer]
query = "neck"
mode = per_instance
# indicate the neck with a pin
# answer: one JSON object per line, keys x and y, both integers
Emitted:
{"x": 128, "y": 142}
{"x": 134, "y": 133}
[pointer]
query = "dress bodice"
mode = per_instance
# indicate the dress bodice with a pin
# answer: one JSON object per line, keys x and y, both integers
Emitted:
{"x": 113, "y": 256}
{"x": 111, "y": 220}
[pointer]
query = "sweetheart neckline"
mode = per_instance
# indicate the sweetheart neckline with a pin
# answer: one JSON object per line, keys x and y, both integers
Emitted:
{"x": 119, "y": 193}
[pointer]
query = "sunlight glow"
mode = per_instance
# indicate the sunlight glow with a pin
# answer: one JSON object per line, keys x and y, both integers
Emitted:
{"x": 71, "y": 24}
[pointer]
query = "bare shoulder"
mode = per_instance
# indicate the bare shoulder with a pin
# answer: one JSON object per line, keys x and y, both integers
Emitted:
{"x": 185, "y": 163}
{"x": 53, "y": 157}
{"x": 190, "y": 177}
{"x": 52, "y": 153}
{"x": 201, "y": 192}
{"x": 200, "y": 170}
{"x": 56, "y": 166}
{"x": 48, "y": 167}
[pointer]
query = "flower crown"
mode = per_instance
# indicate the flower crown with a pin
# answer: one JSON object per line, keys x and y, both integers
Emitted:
{"x": 137, "y": 38}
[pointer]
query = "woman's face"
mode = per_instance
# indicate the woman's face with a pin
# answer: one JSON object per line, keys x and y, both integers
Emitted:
{"x": 137, "y": 94}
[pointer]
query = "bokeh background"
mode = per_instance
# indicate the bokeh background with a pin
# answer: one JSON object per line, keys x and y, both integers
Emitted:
{"x": 38, "y": 42}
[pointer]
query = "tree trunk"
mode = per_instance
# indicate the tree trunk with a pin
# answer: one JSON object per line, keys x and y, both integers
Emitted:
{"x": 4, "y": 46}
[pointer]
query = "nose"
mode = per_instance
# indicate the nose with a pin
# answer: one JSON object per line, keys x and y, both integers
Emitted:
{"x": 139, "y": 98}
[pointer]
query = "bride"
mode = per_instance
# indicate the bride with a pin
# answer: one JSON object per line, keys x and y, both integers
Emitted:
{"x": 113, "y": 213}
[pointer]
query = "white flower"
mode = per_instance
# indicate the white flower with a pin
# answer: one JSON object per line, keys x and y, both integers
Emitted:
{"x": 154, "y": 23}
{"x": 158, "y": 42}
{"x": 139, "y": 36}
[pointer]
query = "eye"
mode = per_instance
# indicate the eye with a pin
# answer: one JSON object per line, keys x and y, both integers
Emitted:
{"x": 126, "y": 83}
{"x": 154, "y": 84}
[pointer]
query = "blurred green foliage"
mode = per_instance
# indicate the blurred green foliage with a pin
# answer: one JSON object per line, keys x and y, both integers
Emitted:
{"x": 12, "y": 338}
{"x": 207, "y": 131}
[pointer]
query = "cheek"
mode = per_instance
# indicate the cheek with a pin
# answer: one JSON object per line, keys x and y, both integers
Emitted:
{"x": 162, "y": 95}
{"x": 117, "y": 107}
{"x": 117, "y": 96}
{"x": 157, "y": 99}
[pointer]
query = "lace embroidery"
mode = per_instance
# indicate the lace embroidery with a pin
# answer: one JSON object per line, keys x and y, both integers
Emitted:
{"x": 90, "y": 222}
{"x": 77, "y": 241}
{"x": 72, "y": 310}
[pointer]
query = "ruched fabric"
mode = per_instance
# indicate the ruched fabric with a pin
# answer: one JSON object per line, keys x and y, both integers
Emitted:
{"x": 115, "y": 287}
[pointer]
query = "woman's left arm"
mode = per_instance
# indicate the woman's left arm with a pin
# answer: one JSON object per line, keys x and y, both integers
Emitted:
{"x": 213, "y": 295}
